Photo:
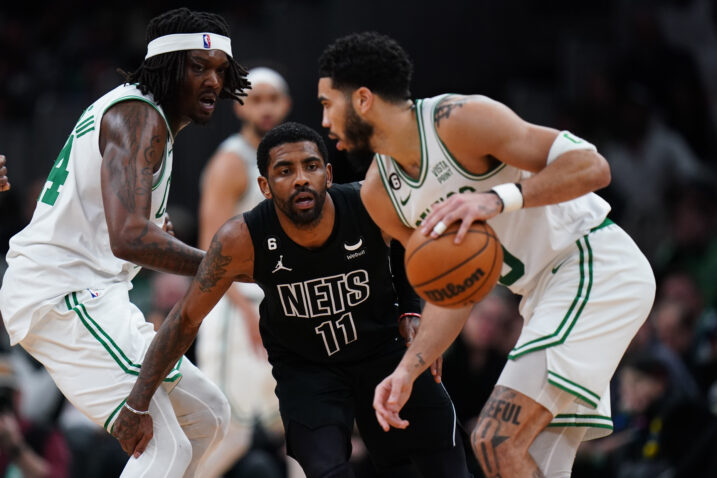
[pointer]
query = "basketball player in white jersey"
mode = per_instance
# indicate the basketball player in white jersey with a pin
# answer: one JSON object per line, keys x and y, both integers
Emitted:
{"x": 229, "y": 348}
{"x": 586, "y": 286}
{"x": 4, "y": 182}
{"x": 100, "y": 217}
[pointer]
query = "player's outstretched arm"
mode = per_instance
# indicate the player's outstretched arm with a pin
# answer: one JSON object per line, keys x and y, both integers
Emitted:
{"x": 4, "y": 182}
{"x": 132, "y": 141}
{"x": 229, "y": 258}
{"x": 439, "y": 328}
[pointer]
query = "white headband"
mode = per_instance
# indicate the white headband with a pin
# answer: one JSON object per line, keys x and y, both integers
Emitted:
{"x": 267, "y": 76}
{"x": 189, "y": 41}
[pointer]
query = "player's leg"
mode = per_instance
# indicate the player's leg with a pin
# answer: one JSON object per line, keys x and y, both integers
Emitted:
{"x": 229, "y": 450}
{"x": 447, "y": 461}
{"x": 316, "y": 405}
{"x": 507, "y": 426}
{"x": 432, "y": 441}
{"x": 322, "y": 452}
{"x": 554, "y": 450}
{"x": 169, "y": 452}
{"x": 91, "y": 344}
{"x": 202, "y": 411}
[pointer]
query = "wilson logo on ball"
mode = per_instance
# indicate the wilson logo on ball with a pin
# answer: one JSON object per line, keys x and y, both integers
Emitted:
{"x": 452, "y": 290}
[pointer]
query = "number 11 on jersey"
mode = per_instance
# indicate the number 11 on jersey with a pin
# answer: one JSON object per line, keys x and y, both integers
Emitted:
{"x": 332, "y": 340}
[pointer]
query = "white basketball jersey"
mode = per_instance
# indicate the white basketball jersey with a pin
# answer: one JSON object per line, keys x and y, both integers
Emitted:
{"x": 66, "y": 246}
{"x": 236, "y": 144}
{"x": 530, "y": 237}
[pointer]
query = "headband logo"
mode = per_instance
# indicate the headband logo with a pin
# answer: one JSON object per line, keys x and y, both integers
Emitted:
{"x": 207, "y": 40}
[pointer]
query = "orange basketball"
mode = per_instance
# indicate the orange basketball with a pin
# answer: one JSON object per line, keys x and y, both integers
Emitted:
{"x": 454, "y": 275}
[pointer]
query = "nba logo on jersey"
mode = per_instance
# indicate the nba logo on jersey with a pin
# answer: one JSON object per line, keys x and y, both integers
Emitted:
{"x": 207, "y": 40}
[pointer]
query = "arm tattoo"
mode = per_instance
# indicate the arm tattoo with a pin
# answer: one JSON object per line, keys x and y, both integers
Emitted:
{"x": 213, "y": 269}
{"x": 445, "y": 108}
{"x": 421, "y": 362}
{"x": 132, "y": 172}
{"x": 167, "y": 254}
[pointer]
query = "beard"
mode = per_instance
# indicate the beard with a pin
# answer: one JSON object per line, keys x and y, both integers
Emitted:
{"x": 304, "y": 217}
{"x": 358, "y": 133}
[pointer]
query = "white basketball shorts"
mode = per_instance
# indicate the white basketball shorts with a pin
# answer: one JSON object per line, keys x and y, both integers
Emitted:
{"x": 92, "y": 343}
{"x": 585, "y": 309}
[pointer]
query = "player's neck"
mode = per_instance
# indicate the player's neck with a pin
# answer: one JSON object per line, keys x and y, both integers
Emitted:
{"x": 396, "y": 135}
{"x": 315, "y": 235}
{"x": 251, "y": 135}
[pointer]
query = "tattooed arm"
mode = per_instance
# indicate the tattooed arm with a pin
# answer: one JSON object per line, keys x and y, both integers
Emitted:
{"x": 133, "y": 136}
{"x": 230, "y": 257}
{"x": 481, "y": 134}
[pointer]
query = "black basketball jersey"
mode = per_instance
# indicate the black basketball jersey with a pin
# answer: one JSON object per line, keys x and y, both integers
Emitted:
{"x": 333, "y": 304}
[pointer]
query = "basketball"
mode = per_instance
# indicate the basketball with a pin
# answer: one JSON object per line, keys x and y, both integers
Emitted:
{"x": 454, "y": 275}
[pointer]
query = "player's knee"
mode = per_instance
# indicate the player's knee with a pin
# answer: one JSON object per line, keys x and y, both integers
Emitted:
{"x": 222, "y": 413}
{"x": 493, "y": 448}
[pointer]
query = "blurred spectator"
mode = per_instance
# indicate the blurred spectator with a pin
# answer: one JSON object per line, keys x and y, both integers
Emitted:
{"x": 691, "y": 244}
{"x": 670, "y": 434}
{"x": 648, "y": 160}
{"x": 27, "y": 449}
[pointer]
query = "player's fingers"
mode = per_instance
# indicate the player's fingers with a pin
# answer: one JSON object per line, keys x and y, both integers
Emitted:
{"x": 382, "y": 421}
{"x": 396, "y": 421}
{"x": 437, "y": 369}
{"x": 146, "y": 434}
{"x": 463, "y": 230}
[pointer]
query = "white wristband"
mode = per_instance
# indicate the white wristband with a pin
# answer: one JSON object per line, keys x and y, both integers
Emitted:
{"x": 510, "y": 195}
{"x": 567, "y": 141}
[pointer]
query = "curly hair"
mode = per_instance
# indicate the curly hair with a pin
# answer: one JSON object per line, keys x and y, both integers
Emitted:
{"x": 368, "y": 59}
{"x": 285, "y": 133}
{"x": 163, "y": 74}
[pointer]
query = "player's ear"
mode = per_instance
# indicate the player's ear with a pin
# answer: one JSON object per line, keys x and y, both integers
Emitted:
{"x": 362, "y": 99}
{"x": 329, "y": 175}
{"x": 264, "y": 186}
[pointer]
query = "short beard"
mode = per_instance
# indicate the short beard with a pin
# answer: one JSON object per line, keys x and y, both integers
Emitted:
{"x": 358, "y": 133}
{"x": 306, "y": 218}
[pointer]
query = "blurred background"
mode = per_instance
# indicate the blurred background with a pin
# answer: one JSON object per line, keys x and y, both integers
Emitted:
{"x": 638, "y": 78}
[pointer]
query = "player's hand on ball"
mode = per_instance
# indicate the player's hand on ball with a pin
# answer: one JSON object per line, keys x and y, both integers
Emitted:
{"x": 132, "y": 431}
{"x": 390, "y": 396}
{"x": 466, "y": 207}
{"x": 4, "y": 183}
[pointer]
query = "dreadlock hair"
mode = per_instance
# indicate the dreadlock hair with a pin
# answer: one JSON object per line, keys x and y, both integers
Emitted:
{"x": 163, "y": 74}
{"x": 286, "y": 133}
{"x": 368, "y": 59}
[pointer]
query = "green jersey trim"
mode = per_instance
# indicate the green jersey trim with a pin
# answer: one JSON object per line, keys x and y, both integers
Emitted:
{"x": 389, "y": 190}
{"x": 108, "y": 344}
{"x": 112, "y": 415}
{"x": 423, "y": 171}
{"x": 581, "y": 420}
{"x": 571, "y": 316}
{"x": 574, "y": 388}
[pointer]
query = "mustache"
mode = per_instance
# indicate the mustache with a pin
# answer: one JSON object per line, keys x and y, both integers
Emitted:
{"x": 302, "y": 190}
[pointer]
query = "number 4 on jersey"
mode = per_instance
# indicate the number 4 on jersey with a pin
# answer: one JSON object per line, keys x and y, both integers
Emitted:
{"x": 58, "y": 174}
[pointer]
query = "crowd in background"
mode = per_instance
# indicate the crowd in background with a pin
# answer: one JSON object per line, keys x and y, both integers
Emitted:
{"x": 637, "y": 78}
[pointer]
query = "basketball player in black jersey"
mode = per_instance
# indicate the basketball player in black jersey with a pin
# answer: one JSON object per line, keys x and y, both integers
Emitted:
{"x": 328, "y": 320}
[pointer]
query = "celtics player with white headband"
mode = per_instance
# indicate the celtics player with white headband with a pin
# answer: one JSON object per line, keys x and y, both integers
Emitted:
{"x": 586, "y": 286}
{"x": 100, "y": 217}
